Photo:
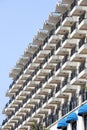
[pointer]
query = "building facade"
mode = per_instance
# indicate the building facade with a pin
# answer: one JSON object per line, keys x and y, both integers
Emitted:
{"x": 49, "y": 85}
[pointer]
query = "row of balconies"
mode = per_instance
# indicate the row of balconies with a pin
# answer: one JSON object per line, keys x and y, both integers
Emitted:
{"x": 81, "y": 67}
{"x": 73, "y": 74}
{"x": 49, "y": 56}
{"x": 33, "y": 91}
{"x": 35, "y": 71}
{"x": 65, "y": 108}
{"x": 51, "y": 118}
{"x": 51, "y": 33}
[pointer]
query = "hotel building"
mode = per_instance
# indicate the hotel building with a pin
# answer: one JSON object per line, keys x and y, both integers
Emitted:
{"x": 49, "y": 85}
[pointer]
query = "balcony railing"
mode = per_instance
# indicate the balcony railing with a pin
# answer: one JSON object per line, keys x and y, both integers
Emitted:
{"x": 50, "y": 95}
{"x": 64, "y": 15}
{"x": 73, "y": 27}
{"x": 65, "y": 108}
{"x": 83, "y": 93}
{"x": 58, "y": 45}
{"x": 82, "y": 67}
{"x": 73, "y": 103}
{"x": 51, "y": 119}
{"x": 58, "y": 66}
{"x": 58, "y": 23}
{"x": 73, "y": 51}
{"x": 45, "y": 41}
{"x": 73, "y": 74}
{"x": 81, "y": 17}
{"x": 73, "y": 4}
{"x": 57, "y": 88}
{"x": 65, "y": 59}
{"x": 65, "y": 81}
{"x": 84, "y": 96}
{"x": 81, "y": 42}
{"x": 64, "y": 37}
{"x": 51, "y": 33}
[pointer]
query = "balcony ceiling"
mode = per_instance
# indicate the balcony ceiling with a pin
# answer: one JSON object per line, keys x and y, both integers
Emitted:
{"x": 68, "y": 22}
{"x": 77, "y": 11}
{"x": 48, "y": 26}
{"x": 83, "y": 2}
{"x": 53, "y": 17}
{"x": 66, "y": 1}
{"x": 54, "y": 39}
{"x": 61, "y": 8}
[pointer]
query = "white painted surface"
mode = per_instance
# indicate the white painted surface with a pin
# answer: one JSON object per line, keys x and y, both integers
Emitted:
{"x": 54, "y": 127}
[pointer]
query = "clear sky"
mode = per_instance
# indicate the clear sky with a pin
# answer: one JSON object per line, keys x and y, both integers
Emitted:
{"x": 19, "y": 22}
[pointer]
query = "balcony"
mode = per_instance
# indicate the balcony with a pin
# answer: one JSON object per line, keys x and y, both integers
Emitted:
{"x": 51, "y": 118}
{"x": 4, "y": 121}
{"x": 48, "y": 120}
{"x": 73, "y": 102}
{"x": 78, "y": 34}
{"x": 82, "y": 3}
{"x": 83, "y": 94}
{"x": 65, "y": 108}
{"x": 69, "y": 89}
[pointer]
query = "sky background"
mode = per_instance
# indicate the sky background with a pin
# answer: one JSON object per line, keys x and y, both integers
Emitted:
{"x": 19, "y": 22}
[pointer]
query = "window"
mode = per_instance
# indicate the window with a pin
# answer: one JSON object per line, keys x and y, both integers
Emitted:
{"x": 85, "y": 122}
{"x": 64, "y": 128}
{"x": 74, "y": 126}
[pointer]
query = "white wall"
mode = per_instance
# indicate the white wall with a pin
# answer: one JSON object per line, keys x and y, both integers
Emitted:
{"x": 54, "y": 127}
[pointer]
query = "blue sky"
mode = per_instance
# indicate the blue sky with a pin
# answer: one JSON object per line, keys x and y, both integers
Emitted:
{"x": 19, "y": 22}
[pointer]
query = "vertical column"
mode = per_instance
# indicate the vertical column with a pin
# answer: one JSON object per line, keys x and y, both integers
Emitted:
{"x": 69, "y": 127}
{"x": 80, "y": 123}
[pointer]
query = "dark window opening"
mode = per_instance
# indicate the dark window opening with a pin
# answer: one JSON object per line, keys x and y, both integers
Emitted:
{"x": 74, "y": 126}
{"x": 65, "y": 128}
{"x": 85, "y": 122}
